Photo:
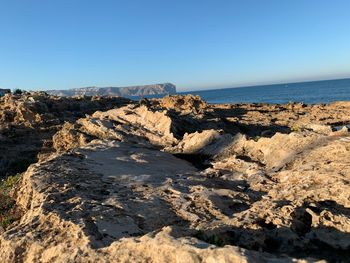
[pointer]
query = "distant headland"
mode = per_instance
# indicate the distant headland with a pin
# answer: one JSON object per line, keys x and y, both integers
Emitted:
{"x": 137, "y": 91}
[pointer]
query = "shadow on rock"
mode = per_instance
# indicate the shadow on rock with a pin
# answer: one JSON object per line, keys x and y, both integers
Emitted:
{"x": 300, "y": 240}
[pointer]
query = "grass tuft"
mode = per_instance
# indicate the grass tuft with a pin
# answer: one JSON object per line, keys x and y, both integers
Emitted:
{"x": 9, "y": 212}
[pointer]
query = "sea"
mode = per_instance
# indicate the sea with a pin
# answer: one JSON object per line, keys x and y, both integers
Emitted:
{"x": 311, "y": 92}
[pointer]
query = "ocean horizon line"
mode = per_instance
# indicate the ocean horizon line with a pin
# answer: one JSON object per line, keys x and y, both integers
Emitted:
{"x": 262, "y": 85}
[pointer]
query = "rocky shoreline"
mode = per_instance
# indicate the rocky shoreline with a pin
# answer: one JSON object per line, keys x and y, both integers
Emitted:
{"x": 175, "y": 180}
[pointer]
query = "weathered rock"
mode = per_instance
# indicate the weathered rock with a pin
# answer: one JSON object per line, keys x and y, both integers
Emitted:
{"x": 76, "y": 211}
{"x": 154, "y": 125}
{"x": 184, "y": 104}
{"x": 29, "y": 120}
{"x": 277, "y": 151}
{"x": 69, "y": 137}
{"x": 207, "y": 142}
{"x": 275, "y": 186}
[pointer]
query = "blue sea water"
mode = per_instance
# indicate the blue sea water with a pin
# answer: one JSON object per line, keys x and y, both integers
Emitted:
{"x": 308, "y": 92}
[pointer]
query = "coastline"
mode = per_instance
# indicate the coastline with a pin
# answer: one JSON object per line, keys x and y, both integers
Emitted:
{"x": 140, "y": 180}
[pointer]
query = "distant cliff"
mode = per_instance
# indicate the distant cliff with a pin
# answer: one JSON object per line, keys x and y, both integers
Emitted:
{"x": 156, "y": 89}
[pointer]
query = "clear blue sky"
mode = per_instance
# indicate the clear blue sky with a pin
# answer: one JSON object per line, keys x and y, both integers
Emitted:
{"x": 195, "y": 44}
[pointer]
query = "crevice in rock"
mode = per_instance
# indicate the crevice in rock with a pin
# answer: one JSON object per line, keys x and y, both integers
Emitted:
{"x": 200, "y": 161}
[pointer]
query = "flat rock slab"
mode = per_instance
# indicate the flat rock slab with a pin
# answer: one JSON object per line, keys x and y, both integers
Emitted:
{"x": 109, "y": 202}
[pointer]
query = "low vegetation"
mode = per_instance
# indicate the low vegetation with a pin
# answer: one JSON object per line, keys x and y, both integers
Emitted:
{"x": 210, "y": 238}
{"x": 18, "y": 91}
{"x": 9, "y": 212}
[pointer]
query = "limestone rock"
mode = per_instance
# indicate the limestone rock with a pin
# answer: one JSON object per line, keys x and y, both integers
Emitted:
{"x": 170, "y": 181}
{"x": 29, "y": 120}
{"x": 207, "y": 142}
{"x": 184, "y": 103}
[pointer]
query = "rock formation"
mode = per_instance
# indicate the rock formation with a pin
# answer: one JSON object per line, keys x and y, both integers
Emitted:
{"x": 179, "y": 180}
{"x": 133, "y": 91}
{"x": 28, "y": 122}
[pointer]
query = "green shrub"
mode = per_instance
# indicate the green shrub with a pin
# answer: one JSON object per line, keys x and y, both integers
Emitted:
{"x": 210, "y": 239}
{"x": 8, "y": 183}
{"x": 6, "y": 221}
{"x": 17, "y": 91}
{"x": 256, "y": 138}
{"x": 295, "y": 128}
{"x": 9, "y": 212}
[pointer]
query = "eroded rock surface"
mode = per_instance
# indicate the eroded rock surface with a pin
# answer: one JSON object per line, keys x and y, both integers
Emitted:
{"x": 29, "y": 120}
{"x": 154, "y": 182}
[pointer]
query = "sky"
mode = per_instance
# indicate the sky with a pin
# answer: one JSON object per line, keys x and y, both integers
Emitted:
{"x": 195, "y": 44}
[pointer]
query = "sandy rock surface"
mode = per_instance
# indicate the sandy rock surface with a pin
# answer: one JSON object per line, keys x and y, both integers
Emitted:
{"x": 28, "y": 122}
{"x": 159, "y": 182}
